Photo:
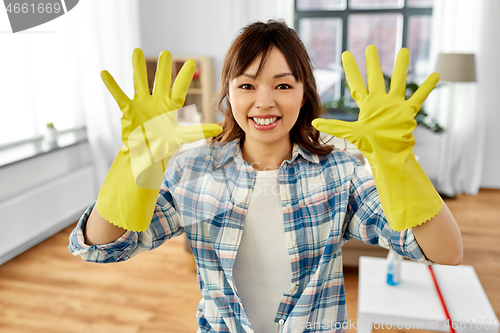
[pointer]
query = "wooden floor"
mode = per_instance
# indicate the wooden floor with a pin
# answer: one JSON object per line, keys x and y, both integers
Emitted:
{"x": 47, "y": 290}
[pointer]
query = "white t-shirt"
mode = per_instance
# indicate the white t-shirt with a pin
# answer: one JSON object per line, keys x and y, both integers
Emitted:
{"x": 262, "y": 270}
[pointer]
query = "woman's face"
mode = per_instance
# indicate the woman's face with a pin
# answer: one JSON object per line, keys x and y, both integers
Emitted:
{"x": 266, "y": 107}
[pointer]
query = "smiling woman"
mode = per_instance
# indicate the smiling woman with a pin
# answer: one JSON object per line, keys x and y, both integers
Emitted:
{"x": 267, "y": 261}
{"x": 266, "y": 107}
{"x": 270, "y": 61}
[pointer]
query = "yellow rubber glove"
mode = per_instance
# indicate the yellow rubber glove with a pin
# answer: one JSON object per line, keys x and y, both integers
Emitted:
{"x": 383, "y": 134}
{"x": 151, "y": 136}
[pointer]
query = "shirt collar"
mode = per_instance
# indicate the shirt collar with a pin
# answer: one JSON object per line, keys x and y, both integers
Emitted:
{"x": 225, "y": 151}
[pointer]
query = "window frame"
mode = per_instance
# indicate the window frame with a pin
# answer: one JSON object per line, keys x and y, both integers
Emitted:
{"x": 406, "y": 11}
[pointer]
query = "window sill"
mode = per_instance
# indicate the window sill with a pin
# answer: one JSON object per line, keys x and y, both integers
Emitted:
{"x": 36, "y": 147}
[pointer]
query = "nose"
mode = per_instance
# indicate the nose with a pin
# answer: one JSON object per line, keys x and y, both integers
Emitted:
{"x": 265, "y": 99}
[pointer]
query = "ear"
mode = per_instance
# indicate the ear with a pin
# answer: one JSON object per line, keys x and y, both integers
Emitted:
{"x": 304, "y": 100}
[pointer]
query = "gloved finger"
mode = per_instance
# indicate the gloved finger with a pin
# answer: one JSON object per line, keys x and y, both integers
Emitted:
{"x": 193, "y": 133}
{"x": 341, "y": 129}
{"x": 182, "y": 82}
{"x": 353, "y": 77}
{"x": 210, "y": 130}
{"x": 141, "y": 86}
{"x": 398, "y": 81}
{"x": 374, "y": 75}
{"x": 423, "y": 91}
{"x": 120, "y": 97}
{"x": 163, "y": 74}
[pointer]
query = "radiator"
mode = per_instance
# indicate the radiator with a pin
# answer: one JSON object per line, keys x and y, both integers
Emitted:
{"x": 34, "y": 215}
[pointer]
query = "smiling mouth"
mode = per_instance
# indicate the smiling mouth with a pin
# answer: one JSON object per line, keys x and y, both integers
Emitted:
{"x": 265, "y": 121}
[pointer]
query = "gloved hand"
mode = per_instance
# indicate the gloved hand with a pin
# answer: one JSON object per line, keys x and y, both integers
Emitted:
{"x": 383, "y": 134}
{"x": 151, "y": 136}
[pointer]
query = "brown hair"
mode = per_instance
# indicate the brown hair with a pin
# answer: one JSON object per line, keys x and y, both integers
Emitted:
{"x": 257, "y": 39}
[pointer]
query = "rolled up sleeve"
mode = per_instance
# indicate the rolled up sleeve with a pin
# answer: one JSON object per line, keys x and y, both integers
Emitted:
{"x": 120, "y": 250}
{"x": 165, "y": 224}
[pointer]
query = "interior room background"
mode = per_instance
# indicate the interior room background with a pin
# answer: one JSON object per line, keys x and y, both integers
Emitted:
{"x": 51, "y": 74}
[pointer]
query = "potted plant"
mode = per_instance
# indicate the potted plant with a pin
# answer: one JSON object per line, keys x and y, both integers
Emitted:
{"x": 51, "y": 134}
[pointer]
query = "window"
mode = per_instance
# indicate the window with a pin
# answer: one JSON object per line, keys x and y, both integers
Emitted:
{"x": 329, "y": 27}
{"x": 39, "y": 80}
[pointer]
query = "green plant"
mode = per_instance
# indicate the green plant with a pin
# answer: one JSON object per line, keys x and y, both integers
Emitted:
{"x": 50, "y": 125}
{"x": 422, "y": 118}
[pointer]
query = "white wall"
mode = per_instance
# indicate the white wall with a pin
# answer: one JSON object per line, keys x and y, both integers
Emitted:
{"x": 426, "y": 152}
{"x": 196, "y": 27}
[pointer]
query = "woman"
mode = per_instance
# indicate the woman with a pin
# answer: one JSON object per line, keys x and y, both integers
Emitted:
{"x": 266, "y": 206}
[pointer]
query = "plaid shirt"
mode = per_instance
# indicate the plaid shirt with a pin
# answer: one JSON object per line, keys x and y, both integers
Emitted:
{"x": 325, "y": 199}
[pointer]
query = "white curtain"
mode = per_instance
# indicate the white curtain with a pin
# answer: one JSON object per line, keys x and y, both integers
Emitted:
{"x": 107, "y": 33}
{"x": 458, "y": 28}
{"x": 489, "y": 72}
{"x": 246, "y": 12}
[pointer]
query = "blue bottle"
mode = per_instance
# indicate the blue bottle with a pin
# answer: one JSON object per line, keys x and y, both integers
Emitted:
{"x": 393, "y": 268}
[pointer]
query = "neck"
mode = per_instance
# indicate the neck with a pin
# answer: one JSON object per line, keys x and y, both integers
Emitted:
{"x": 266, "y": 156}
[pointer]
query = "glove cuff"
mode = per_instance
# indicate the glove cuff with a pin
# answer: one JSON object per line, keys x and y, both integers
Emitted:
{"x": 121, "y": 201}
{"x": 406, "y": 194}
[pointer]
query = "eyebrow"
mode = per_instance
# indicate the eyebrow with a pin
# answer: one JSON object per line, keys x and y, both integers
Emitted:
{"x": 277, "y": 76}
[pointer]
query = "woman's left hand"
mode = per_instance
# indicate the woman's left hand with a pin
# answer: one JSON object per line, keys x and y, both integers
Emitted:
{"x": 383, "y": 134}
{"x": 386, "y": 120}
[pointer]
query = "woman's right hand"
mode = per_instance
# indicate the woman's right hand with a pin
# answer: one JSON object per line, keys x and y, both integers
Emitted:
{"x": 150, "y": 130}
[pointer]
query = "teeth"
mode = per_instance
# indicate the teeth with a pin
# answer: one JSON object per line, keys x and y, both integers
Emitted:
{"x": 265, "y": 121}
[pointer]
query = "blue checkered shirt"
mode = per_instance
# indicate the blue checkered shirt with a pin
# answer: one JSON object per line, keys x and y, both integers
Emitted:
{"x": 325, "y": 199}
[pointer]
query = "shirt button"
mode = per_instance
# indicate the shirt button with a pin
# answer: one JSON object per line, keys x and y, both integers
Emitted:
{"x": 282, "y": 321}
{"x": 288, "y": 206}
{"x": 292, "y": 243}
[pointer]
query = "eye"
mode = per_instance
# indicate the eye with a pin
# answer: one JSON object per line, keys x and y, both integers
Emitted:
{"x": 246, "y": 86}
{"x": 283, "y": 86}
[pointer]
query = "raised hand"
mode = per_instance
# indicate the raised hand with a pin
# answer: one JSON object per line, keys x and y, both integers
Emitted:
{"x": 151, "y": 136}
{"x": 386, "y": 120}
{"x": 383, "y": 133}
{"x": 149, "y": 123}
